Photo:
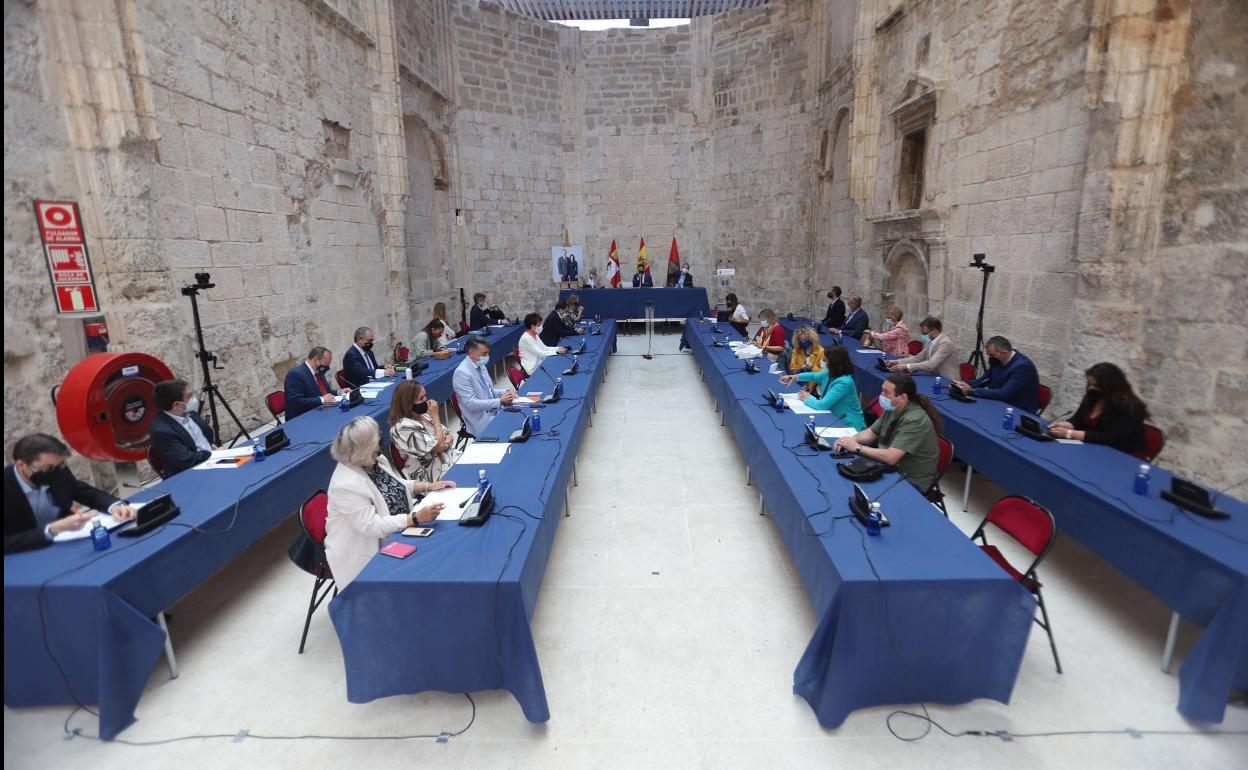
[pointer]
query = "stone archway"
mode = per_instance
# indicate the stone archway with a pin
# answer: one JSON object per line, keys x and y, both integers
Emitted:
{"x": 427, "y": 226}
{"x": 905, "y": 281}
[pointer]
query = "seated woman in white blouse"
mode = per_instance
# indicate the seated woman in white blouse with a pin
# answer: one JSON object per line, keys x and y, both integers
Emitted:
{"x": 416, "y": 431}
{"x": 368, "y": 501}
{"x": 532, "y": 350}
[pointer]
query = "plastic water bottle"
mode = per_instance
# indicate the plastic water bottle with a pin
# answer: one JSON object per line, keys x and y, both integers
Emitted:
{"x": 779, "y": 404}
{"x": 407, "y": 373}
{"x": 874, "y": 520}
{"x": 558, "y": 387}
{"x": 100, "y": 539}
{"x": 482, "y": 482}
{"x": 1141, "y": 480}
{"x": 535, "y": 421}
{"x": 344, "y": 404}
{"x": 257, "y": 452}
{"x": 810, "y": 422}
{"x": 936, "y": 387}
{"x": 1008, "y": 423}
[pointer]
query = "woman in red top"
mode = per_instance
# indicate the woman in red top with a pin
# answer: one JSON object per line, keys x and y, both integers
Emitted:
{"x": 895, "y": 341}
{"x": 770, "y": 335}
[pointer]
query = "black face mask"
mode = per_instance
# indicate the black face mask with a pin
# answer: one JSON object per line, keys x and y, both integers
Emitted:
{"x": 46, "y": 476}
{"x": 830, "y": 296}
{"x": 421, "y": 408}
{"x": 322, "y": 369}
{"x": 367, "y": 346}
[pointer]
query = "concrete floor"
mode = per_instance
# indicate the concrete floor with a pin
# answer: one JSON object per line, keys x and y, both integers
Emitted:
{"x": 668, "y": 628}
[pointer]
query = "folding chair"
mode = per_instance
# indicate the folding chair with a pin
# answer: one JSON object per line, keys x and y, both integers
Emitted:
{"x": 462, "y": 437}
{"x": 341, "y": 377}
{"x": 915, "y": 347}
{"x": 943, "y": 462}
{"x": 155, "y": 463}
{"x": 516, "y": 375}
{"x": 1045, "y": 395}
{"x": 967, "y": 372}
{"x": 276, "y": 402}
{"x": 1154, "y": 442}
{"x": 312, "y": 516}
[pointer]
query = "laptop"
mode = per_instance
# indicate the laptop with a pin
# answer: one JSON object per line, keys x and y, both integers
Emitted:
{"x": 1031, "y": 428}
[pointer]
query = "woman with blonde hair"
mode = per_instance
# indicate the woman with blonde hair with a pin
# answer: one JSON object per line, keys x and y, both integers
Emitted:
{"x": 895, "y": 341}
{"x": 368, "y": 501}
{"x": 416, "y": 431}
{"x": 807, "y": 352}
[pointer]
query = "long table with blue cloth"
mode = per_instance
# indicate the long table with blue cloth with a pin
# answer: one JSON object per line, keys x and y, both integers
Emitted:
{"x": 916, "y": 614}
{"x": 459, "y": 607}
{"x": 1197, "y": 567}
{"x": 627, "y": 302}
{"x": 78, "y": 624}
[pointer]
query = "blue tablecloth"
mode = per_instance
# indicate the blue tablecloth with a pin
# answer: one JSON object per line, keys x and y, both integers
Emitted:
{"x": 631, "y": 303}
{"x": 459, "y": 608}
{"x": 940, "y": 622}
{"x": 98, "y": 607}
{"x": 1197, "y": 567}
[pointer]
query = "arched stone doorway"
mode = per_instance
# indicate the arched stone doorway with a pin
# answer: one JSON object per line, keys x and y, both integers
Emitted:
{"x": 905, "y": 282}
{"x": 427, "y": 226}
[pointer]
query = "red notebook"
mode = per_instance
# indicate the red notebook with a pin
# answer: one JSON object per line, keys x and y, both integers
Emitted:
{"x": 398, "y": 550}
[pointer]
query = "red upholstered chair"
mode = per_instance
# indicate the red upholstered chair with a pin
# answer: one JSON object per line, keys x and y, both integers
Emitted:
{"x": 1045, "y": 394}
{"x": 463, "y": 327}
{"x": 155, "y": 463}
{"x": 276, "y": 402}
{"x": 396, "y": 457}
{"x": 341, "y": 377}
{"x": 944, "y": 460}
{"x": 401, "y": 353}
{"x": 1154, "y": 442}
{"x": 312, "y": 516}
{"x": 461, "y": 438}
{"x": 966, "y": 372}
{"x": 915, "y": 347}
{"x": 1032, "y": 527}
{"x": 516, "y": 376}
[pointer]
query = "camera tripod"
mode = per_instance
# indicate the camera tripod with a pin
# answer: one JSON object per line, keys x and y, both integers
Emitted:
{"x": 207, "y": 363}
{"x": 978, "y": 359}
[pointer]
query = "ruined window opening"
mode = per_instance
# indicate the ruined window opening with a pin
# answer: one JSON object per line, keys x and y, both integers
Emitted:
{"x": 337, "y": 140}
{"x": 824, "y": 165}
{"x": 920, "y": 51}
{"x": 910, "y": 174}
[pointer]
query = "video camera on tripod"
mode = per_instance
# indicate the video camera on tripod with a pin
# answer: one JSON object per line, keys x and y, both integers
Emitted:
{"x": 212, "y": 394}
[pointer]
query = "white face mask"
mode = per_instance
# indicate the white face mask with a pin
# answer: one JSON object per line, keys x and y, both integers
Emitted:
{"x": 538, "y": 330}
{"x": 765, "y": 323}
{"x": 193, "y": 404}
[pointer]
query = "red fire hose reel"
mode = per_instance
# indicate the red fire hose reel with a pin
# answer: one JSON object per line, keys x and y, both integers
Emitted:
{"x": 105, "y": 405}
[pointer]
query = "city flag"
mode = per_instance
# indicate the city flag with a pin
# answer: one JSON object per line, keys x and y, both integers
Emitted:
{"x": 613, "y": 267}
{"x": 673, "y": 264}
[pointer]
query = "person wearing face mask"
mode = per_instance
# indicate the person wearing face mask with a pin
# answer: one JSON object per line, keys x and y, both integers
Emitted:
{"x": 770, "y": 335}
{"x": 359, "y": 365}
{"x": 684, "y": 279}
{"x": 856, "y": 322}
{"x": 835, "y": 317}
{"x": 428, "y": 341}
{"x": 179, "y": 437}
{"x": 905, "y": 436}
{"x": 939, "y": 355}
{"x": 807, "y": 352}
{"x": 307, "y": 384}
{"x": 482, "y": 315}
{"x": 591, "y": 282}
{"x": 836, "y": 383}
{"x": 41, "y": 495}
{"x": 1110, "y": 412}
{"x": 556, "y": 327}
{"x": 368, "y": 500}
{"x": 416, "y": 431}
{"x": 895, "y": 341}
{"x": 532, "y": 350}
{"x": 479, "y": 400}
{"x": 1011, "y": 377}
{"x": 641, "y": 278}
{"x": 736, "y": 315}
{"x": 439, "y": 312}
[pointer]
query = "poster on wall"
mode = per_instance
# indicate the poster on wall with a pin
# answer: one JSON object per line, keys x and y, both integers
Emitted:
{"x": 566, "y": 263}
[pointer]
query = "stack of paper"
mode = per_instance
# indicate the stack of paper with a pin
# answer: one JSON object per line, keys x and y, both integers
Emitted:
{"x": 798, "y": 406}
{"x": 483, "y": 454}
{"x": 832, "y": 434}
{"x": 453, "y": 499}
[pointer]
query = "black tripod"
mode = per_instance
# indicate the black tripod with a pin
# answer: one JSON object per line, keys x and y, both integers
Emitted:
{"x": 977, "y": 353}
{"x": 211, "y": 393}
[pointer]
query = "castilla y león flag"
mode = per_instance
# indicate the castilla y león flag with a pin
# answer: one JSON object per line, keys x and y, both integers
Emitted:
{"x": 613, "y": 266}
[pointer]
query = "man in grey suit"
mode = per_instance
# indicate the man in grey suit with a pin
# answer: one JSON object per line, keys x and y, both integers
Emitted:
{"x": 939, "y": 354}
{"x": 479, "y": 400}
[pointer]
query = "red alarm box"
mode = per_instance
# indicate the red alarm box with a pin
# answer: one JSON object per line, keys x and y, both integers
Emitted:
{"x": 105, "y": 405}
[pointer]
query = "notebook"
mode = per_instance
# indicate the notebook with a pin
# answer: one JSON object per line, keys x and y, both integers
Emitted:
{"x": 398, "y": 550}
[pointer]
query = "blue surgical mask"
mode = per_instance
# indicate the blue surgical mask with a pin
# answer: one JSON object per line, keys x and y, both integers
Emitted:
{"x": 805, "y": 344}
{"x": 886, "y": 403}
{"x": 925, "y": 340}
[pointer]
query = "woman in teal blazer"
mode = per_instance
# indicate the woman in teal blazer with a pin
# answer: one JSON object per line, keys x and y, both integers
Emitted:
{"x": 836, "y": 383}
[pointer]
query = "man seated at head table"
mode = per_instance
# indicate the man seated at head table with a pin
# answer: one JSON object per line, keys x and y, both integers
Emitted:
{"x": 1011, "y": 377}
{"x": 939, "y": 355}
{"x": 856, "y": 322}
{"x": 905, "y": 436}
{"x": 42, "y": 496}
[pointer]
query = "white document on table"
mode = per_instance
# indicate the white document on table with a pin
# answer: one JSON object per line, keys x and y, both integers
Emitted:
{"x": 1069, "y": 441}
{"x": 798, "y": 406}
{"x": 483, "y": 454}
{"x": 106, "y": 519}
{"x": 735, "y": 343}
{"x": 775, "y": 369}
{"x": 451, "y": 498}
{"x": 231, "y": 453}
{"x": 871, "y": 351}
{"x": 835, "y": 433}
{"x": 748, "y": 352}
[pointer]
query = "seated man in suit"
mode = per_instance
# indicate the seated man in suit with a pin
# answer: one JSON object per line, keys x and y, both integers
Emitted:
{"x": 481, "y": 316}
{"x": 1011, "y": 377}
{"x": 306, "y": 384}
{"x": 835, "y": 317}
{"x": 642, "y": 278}
{"x": 40, "y": 494}
{"x": 358, "y": 363}
{"x": 939, "y": 354}
{"x": 180, "y": 438}
{"x": 555, "y": 327}
{"x": 684, "y": 279}
{"x": 856, "y": 322}
{"x": 478, "y": 399}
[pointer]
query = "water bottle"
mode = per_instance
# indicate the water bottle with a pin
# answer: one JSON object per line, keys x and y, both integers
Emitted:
{"x": 257, "y": 452}
{"x": 100, "y": 539}
{"x": 344, "y": 404}
{"x": 558, "y": 387}
{"x": 1141, "y": 480}
{"x": 936, "y": 387}
{"x": 535, "y": 421}
{"x": 810, "y": 424}
{"x": 407, "y": 373}
{"x": 873, "y": 520}
{"x": 1008, "y": 423}
{"x": 482, "y": 482}
{"x": 779, "y": 404}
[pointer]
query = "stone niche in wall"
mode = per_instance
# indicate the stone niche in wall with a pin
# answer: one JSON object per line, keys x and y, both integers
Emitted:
{"x": 912, "y": 265}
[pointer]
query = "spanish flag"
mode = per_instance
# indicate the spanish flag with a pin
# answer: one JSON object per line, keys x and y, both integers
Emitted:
{"x": 613, "y": 267}
{"x": 643, "y": 263}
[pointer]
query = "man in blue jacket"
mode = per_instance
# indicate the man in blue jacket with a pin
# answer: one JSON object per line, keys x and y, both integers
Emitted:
{"x": 359, "y": 365}
{"x": 1011, "y": 377}
{"x": 857, "y": 321}
{"x": 306, "y": 385}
